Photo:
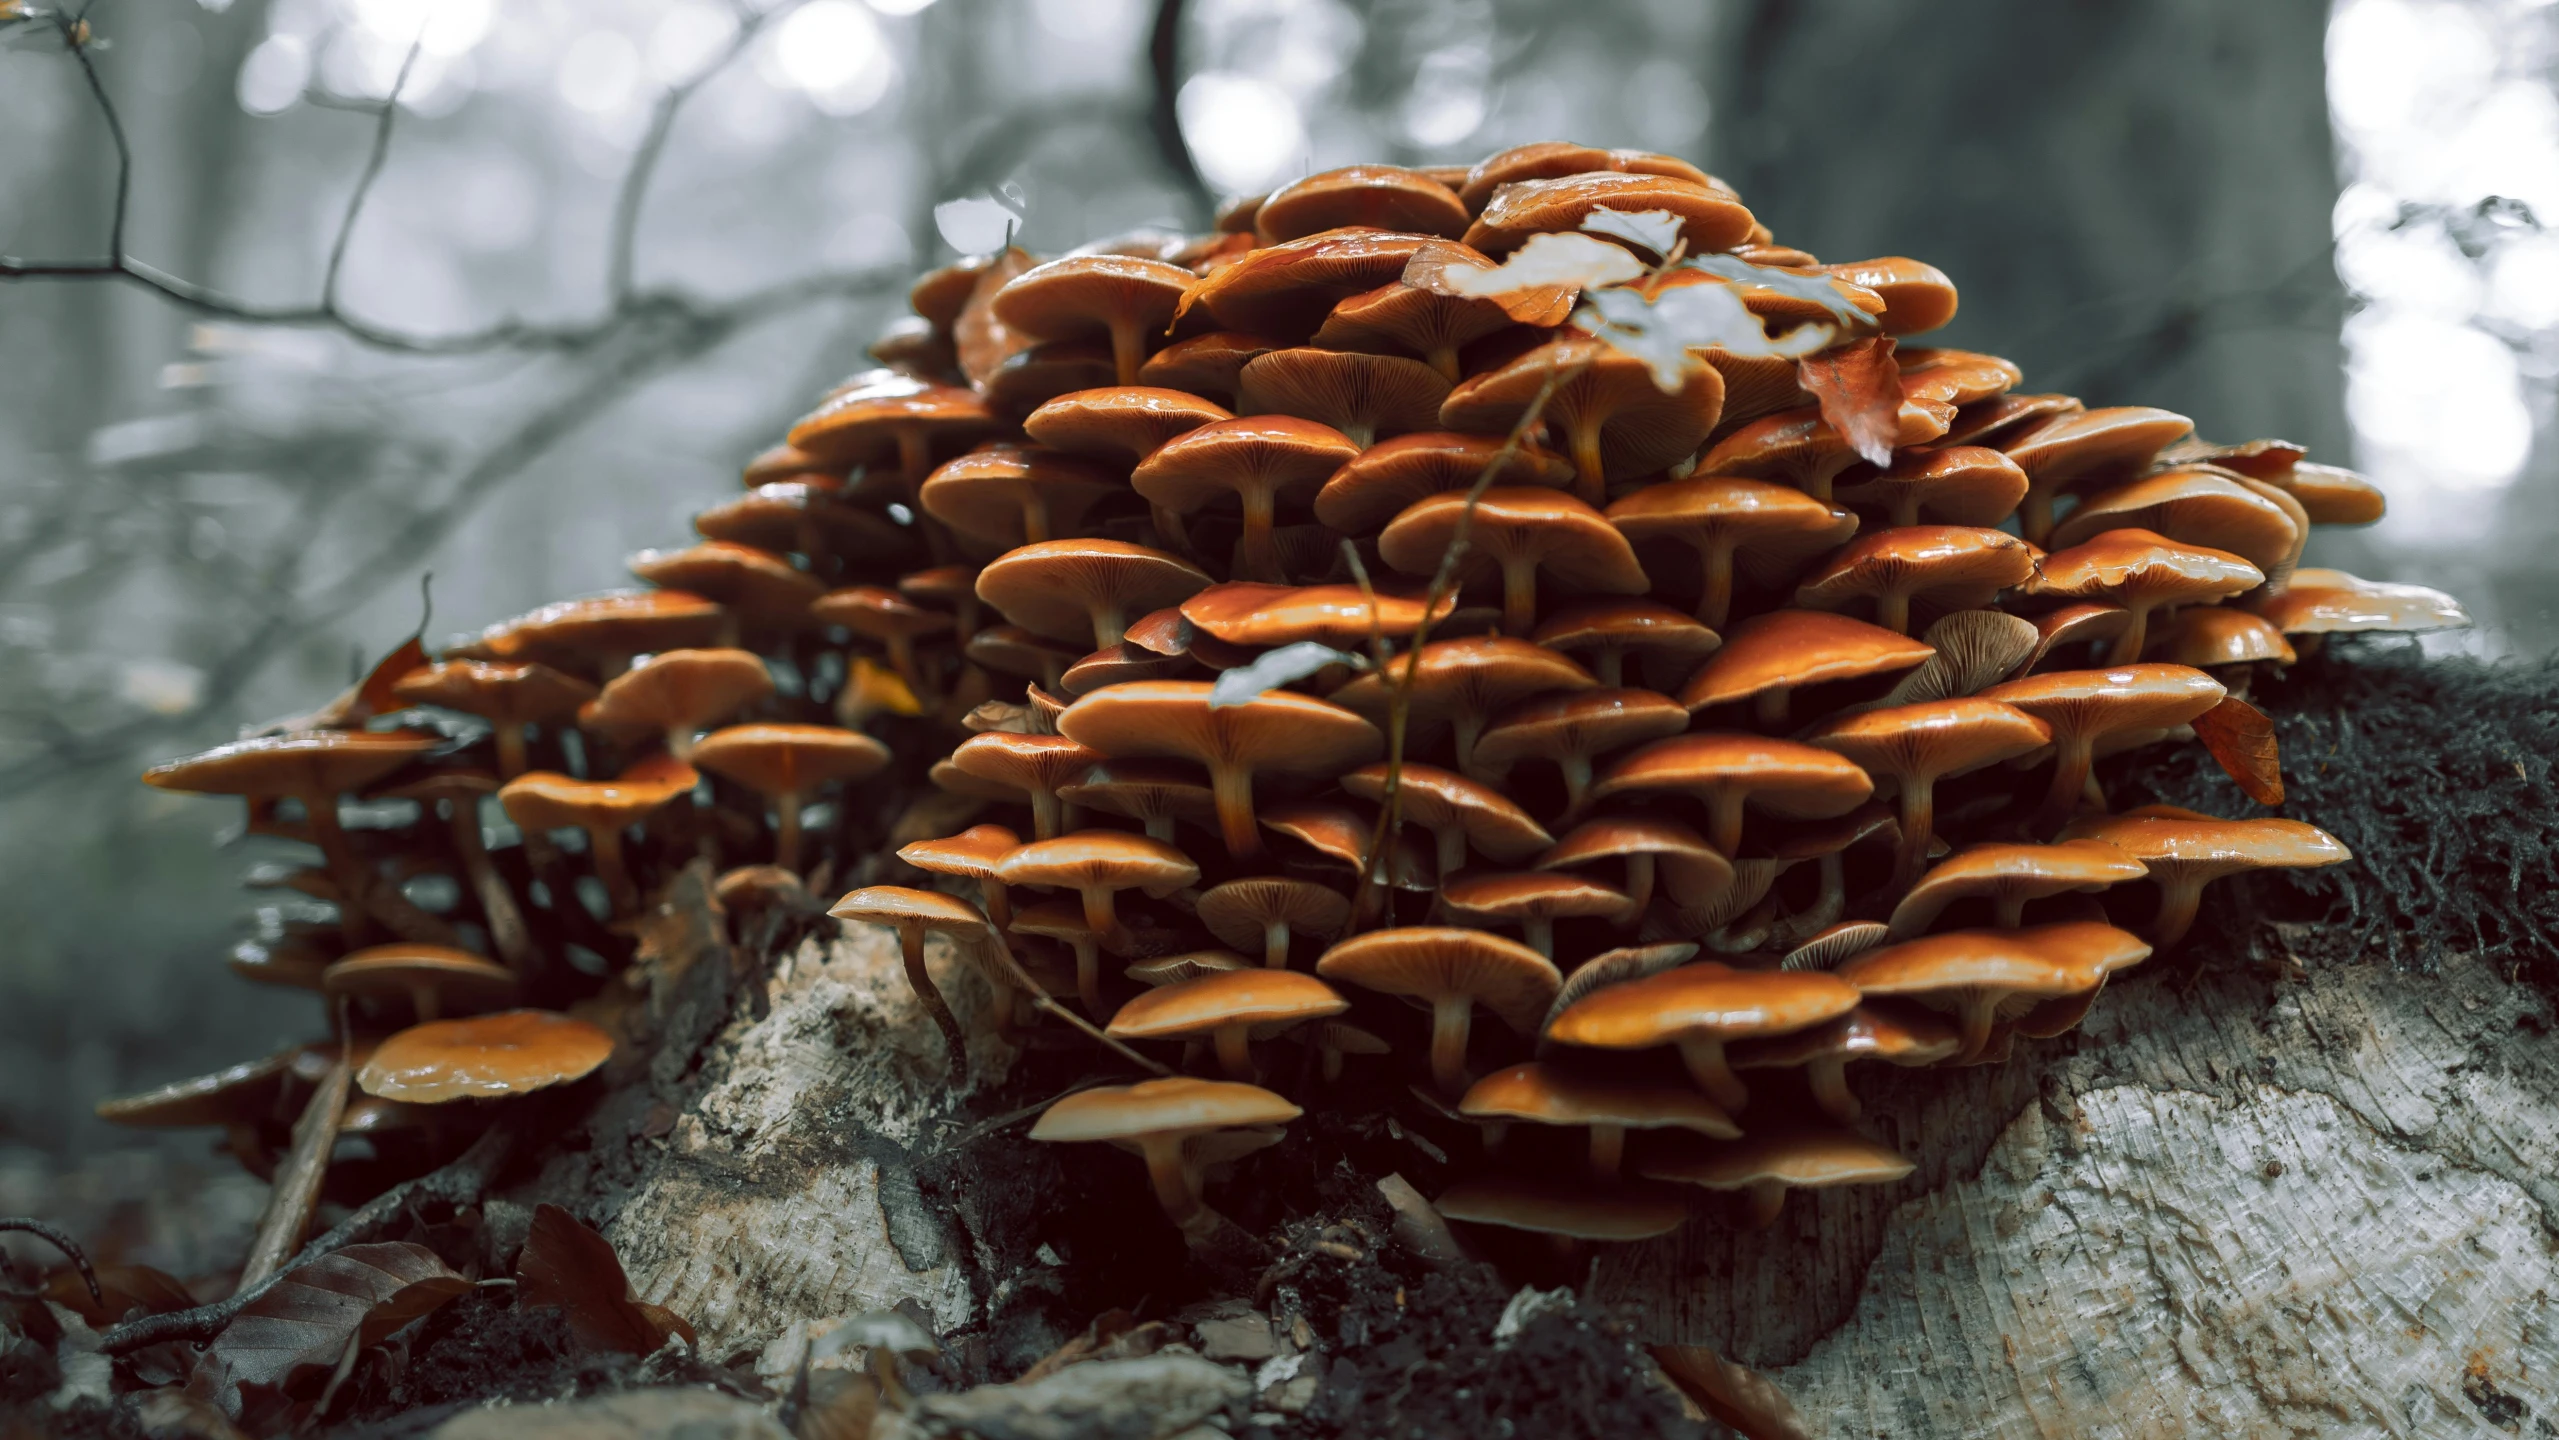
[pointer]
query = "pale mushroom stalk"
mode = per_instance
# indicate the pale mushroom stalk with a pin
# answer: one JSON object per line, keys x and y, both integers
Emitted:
{"x": 1232, "y": 785}
{"x": 1257, "y": 549}
{"x": 1769, "y": 706}
{"x": 320, "y": 811}
{"x": 1452, "y": 849}
{"x": 1607, "y": 1152}
{"x": 2009, "y": 909}
{"x": 1088, "y": 975}
{"x": 1724, "y": 820}
{"x": 1640, "y": 874}
{"x": 1167, "y": 1167}
{"x": 1918, "y": 826}
{"x": 1275, "y": 944}
{"x": 1519, "y": 594}
{"x": 910, "y": 939}
{"x": 1443, "y": 358}
{"x": 1828, "y": 1077}
{"x": 1705, "y": 1060}
{"x": 296, "y": 1191}
{"x": 2178, "y": 897}
{"x": 1045, "y": 815}
{"x": 914, "y": 463}
{"x": 1128, "y": 346}
{"x": 1452, "y": 1023}
{"x": 2127, "y": 646}
{"x": 1608, "y": 663}
{"x": 1715, "y": 602}
{"x": 1235, "y": 1051}
{"x": 2073, "y": 756}
{"x": 604, "y": 851}
{"x": 509, "y": 737}
{"x": 1977, "y": 1011}
{"x": 786, "y": 830}
{"x": 1892, "y": 611}
{"x": 1576, "y": 770}
{"x": 1762, "y": 1200}
{"x": 1590, "y": 472}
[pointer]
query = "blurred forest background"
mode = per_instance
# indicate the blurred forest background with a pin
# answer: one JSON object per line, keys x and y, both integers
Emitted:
{"x": 606, "y": 249}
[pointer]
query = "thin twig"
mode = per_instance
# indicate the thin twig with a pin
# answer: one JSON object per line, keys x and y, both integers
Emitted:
{"x": 374, "y": 160}
{"x": 59, "y": 1240}
{"x": 621, "y": 256}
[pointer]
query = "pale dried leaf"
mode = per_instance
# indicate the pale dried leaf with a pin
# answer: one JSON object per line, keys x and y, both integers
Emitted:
{"x": 1661, "y": 332}
{"x": 1859, "y": 387}
{"x": 1655, "y": 230}
{"x": 358, "y": 1295}
{"x": 1275, "y": 668}
{"x": 1816, "y": 289}
{"x": 1545, "y": 262}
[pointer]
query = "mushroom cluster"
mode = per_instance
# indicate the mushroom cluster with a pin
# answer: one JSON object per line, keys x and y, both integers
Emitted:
{"x": 1340, "y": 608}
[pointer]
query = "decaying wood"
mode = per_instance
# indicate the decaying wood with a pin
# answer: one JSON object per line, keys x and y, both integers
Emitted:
{"x": 2235, "y": 1204}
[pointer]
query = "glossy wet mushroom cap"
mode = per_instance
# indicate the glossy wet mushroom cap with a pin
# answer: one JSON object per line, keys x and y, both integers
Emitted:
{"x": 1156, "y": 793}
{"x": 1646, "y": 845}
{"x": 1536, "y": 540}
{"x": 1728, "y": 773}
{"x": 1699, "y": 1009}
{"x": 1380, "y": 197}
{"x": 1740, "y": 529}
{"x": 509, "y": 696}
{"x": 1124, "y": 299}
{"x": 1275, "y": 731}
{"x": 1614, "y": 422}
{"x": 1366, "y": 397}
{"x": 1159, "y": 1117}
{"x": 1917, "y": 296}
{"x": 1284, "y": 291}
{"x": 2141, "y": 570}
{"x": 2206, "y": 636}
{"x": 752, "y": 582}
{"x": 1710, "y": 218}
{"x": 1031, "y": 768}
{"x": 485, "y": 1057}
{"x": 1547, "y": 1094}
{"x": 2093, "y": 447}
{"x": 2083, "y": 707}
{"x": 1460, "y": 685}
{"x": 1800, "y": 448}
{"x": 1230, "y": 1007}
{"x": 1766, "y": 658}
{"x": 1017, "y": 495}
{"x": 1263, "y": 462}
{"x": 435, "y": 980}
{"x": 2332, "y": 602}
{"x": 1452, "y": 970}
{"x": 546, "y": 800}
{"x": 783, "y": 762}
{"x": 1206, "y": 365}
{"x": 1876, "y": 1030}
{"x": 1979, "y": 976}
{"x": 1917, "y": 745}
{"x": 1947, "y": 567}
{"x": 1098, "y": 864}
{"x": 1609, "y": 631}
{"x": 1345, "y": 617}
{"x": 2185, "y": 851}
{"x": 1085, "y": 590}
{"x": 1765, "y": 1167}
{"x": 1123, "y": 424}
{"x": 1952, "y": 485}
{"x": 2009, "y": 876}
{"x": 676, "y": 693}
{"x": 1458, "y": 811}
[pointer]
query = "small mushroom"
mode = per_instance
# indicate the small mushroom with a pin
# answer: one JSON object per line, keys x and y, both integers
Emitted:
{"x": 1572, "y": 730}
{"x": 1533, "y": 900}
{"x": 1030, "y": 769}
{"x": 2087, "y": 448}
{"x": 878, "y": 613}
{"x": 1125, "y": 299}
{"x": 1741, "y": 529}
{"x": 2084, "y": 707}
{"x": 973, "y": 854}
{"x": 1950, "y": 484}
{"x": 1452, "y": 971}
{"x": 1710, "y": 218}
{"x": 1829, "y": 949}
{"x": 1728, "y": 773}
{"x": 1545, "y": 1094}
{"x": 1875, "y": 1030}
{"x": 2009, "y": 876}
{"x": 542, "y": 800}
{"x": 600, "y": 633}
{"x": 461, "y": 791}
{"x": 508, "y": 696}
{"x": 2141, "y": 571}
{"x": 747, "y": 582}
{"x": 1614, "y": 422}
{"x": 1017, "y": 495}
{"x": 679, "y": 692}
{"x": 1381, "y": 197}
{"x": 432, "y": 978}
{"x": 1915, "y": 746}
{"x": 1162, "y": 1120}
{"x": 1275, "y": 731}
{"x": 1699, "y": 1009}
{"x": 893, "y": 417}
{"x": 1765, "y": 1167}
{"x": 513, "y": 1052}
{"x": 1950, "y": 567}
{"x": 1800, "y": 448}
{"x": 1229, "y": 1007}
{"x": 784, "y": 762}
{"x": 1266, "y": 912}
{"x": 1462, "y": 685}
{"x": 914, "y": 914}
{"x": 1263, "y": 461}
{"x": 1457, "y": 811}
{"x": 2185, "y": 851}
{"x": 1527, "y": 535}
{"x": 1084, "y": 590}
{"x": 1097, "y": 865}
{"x": 1767, "y": 658}
{"x": 1612, "y": 630}
{"x": 1981, "y": 976}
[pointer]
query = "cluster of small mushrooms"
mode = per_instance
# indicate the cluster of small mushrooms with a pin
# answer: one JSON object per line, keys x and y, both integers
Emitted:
{"x": 1703, "y": 745}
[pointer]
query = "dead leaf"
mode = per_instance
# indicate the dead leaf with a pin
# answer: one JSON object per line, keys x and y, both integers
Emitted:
{"x": 1547, "y": 267}
{"x": 1655, "y": 230}
{"x": 567, "y": 1266}
{"x": 1660, "y": 330}
{"x": 2242, "y": 742}
{"x": 306, "y": 1320}
{"x": 985, "y": 342}
{"x": 367, "y": 698}
{"x": 1859, "y": 387}
{"x": 124, "y": 1289}
{"x": 1734, "y": 1394}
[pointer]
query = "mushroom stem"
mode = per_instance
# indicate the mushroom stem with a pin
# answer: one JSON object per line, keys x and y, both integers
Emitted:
{"x": 1830, "y": 901}
{"x": 1608, "y": 663}
{"x": 1715, "y": 601}
{"x": 786, "y": 830}
{"x": 345, "y": 870}
{"x": 2035, "y": 516}
{"x": 497, "y": 903}
{"x": 2072, "y": 755}
{"x": 509, "y": 736}
{"x": 1332, "y": 1070}
{"x": 999, "y": 902}
{"x": 1978, "y": 1010}
{"x": 1035, "y": 527}
{"x": 1539, "y": 932}
{"x": 1640, "y": 870}
{"x": 1452, "y": 1020}
{"x": 2178, "y": 898}
{"x": 1465, "y": 730}
{"x": 1575, "y": 768}
{"x": 1128, "y": 347}
{"x": 1918, "y": 824}
{"x": 1044, "y": 816}
{"x": 910, "y": 943}
{"x": 426, "y": 1002}
{"x": 297, "y": 1180}
{"x": 1232, "y": 785}
{"x": 1275, "y": 944}
{"x": 2008, "y": 909}
{"x": 1088, "y": 977}
{"x": 1452, "y": 849}
{"x": 1101, "y": 910}
{"x": 901, "y": 650}
{"x": 1443, "y": 358}
{"x": 1110, "y": 624}
{"x": 1169, "y": 529}
{"x": 1704, "y": 1057}
{"x": 1607, "y": 1151}
{"x": 1905, "y": 506}
{"x": 1892, "y": 611}
{"x": 1590, "y": 474}
{"x": 1235, "y": 1051}
{"x": 1724, "y": 822}
{"x": 1172, "y": 1178}
{"x": 1829, "y": 1078}
{"x": 914, "y": 462}
{"x": 2127, "y": 646}
{"x": 604, "y": 848}
{"x": 1768, "y": 707}
{"x": 1519, "y": 594}
{"x": 1761, "y": 1202}
{"x": 1256, "y": 550}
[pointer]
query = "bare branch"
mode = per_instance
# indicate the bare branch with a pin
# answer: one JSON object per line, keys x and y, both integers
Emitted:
{"x": 373, "y": 163}
{"x": 1164, "y": 74}
{"x": 621, "y": 254}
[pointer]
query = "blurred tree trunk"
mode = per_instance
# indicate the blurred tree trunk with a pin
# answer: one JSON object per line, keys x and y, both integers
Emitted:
{"x": 2133, "y": 198}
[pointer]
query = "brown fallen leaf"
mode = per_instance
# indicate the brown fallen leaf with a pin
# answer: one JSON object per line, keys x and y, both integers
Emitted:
{"x": 1734, "y": 1394}
{"x": 1859, "y": 387}
{"x": 124, "y": 1288}
{"x": 985, "y": 342}
{"x": 2242, "y": 742}
{"x": 304, "y": 1322}
{"x": 567, "y": 1266}
{"x": 369, "y": 697}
